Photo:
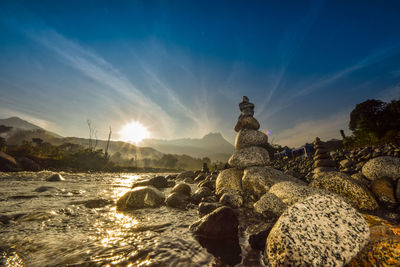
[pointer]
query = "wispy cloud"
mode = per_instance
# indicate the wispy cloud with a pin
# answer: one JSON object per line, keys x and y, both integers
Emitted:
{"x": 326, "y": 128}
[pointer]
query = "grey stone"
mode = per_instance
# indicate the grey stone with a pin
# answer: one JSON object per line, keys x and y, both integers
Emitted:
{"x": 229, "y": 178}
{"x": 201, "y": 193}
{"x": 345, "y": 186}
{"x": 270, "y": 206}
{"x": 233, "y": 200}
{"x": 258, "y": 180}
{"x": 322, "y": 230}
{"x": 290, "y": 192}
{"x": 249, "y": 156}
{"x": 248, "y": 138}
{"x": 182, "y": 188}
{"x": 382, "y": 167}
{"x": 141, "y": 197}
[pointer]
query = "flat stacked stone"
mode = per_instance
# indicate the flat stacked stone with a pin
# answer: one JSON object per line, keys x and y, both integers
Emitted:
{"x": 322, "y": 160}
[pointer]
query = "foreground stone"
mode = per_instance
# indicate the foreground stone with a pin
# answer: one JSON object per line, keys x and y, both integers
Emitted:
{"x": 290, "y": 192}
{"x": 270, "y": 206}
{"x": 141, "y": 197}
{"x": 249, "y": 156}
{"x": 382, "y": 167}
{"x": 258, "y": 180}
{"x": 322, "y": 230}
{"x": 342, "y": 184}
{"x": 229, "y": 178}
{"x": 222, "y": 223}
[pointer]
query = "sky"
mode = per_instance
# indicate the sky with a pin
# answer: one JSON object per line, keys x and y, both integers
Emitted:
{"x": 181, "y": 67}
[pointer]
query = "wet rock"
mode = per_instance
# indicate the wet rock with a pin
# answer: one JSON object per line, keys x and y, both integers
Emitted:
{"x": 247, "y": 138}
{"x": 232, "y": 199}
{"x": 201, "y": 193}
{"x": 247, "y": 122}
{"x": 182, "y": 188}
{"x": 382, "y": 167}
{"x": 258, "y": 235}
{"x": 186, "y": 174}
{"x": 249, "y": 156}
{"x": 141, "y": 197}
{"x": 220, "y": 224}
{"x": 343, "y": 185}
{"x": 45, "y": 188}
{"x": 7, "y": 162}
{"x": 159, "y": 182}
{"x": 290, "y": 192}
{"x": 206, "y": 208}
{"x": 321, "y": 230}
{"x": 55, "y": 178}
{"x": 229, "y": 178}
{"x": 177, "y": 200}
{"x": 258, "y": 180}
{"x": 270, "y": 206}
{"x": 383, "y": 190}
{"x": 383, "y": 249}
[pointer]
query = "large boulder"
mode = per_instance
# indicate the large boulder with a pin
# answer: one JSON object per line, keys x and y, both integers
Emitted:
{"x": 290, "y": 192}
{"x": 229, "y": 178}
{"x": 382, "y": 167}
{"x": 342, "y": 184}
{"x": 322, "y": 230}
{"x": 220, "y": 224}
{"x": 258, "y": 180}
{"x": 7, "y": 162}
{"x": 249, "y": 156}
{"x": 248, "y": 137}
{"x": 141, "y": 197}
{"x": 270, "y": 206}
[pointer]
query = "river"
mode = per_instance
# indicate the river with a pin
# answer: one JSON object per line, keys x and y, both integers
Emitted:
{"x": 75, "y": 223}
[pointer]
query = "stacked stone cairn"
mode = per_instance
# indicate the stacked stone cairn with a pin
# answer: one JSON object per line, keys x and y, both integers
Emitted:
{"x": 322, "y": 160}
{"x": 250, "y": 151}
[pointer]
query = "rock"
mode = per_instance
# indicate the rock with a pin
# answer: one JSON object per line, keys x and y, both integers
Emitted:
{"x": 206, "y": 208}
{"x": 188, "y": 180}
{"x": 200, "y": 177}
{"x": 346, "y": 163}
{"x": 323, "y": 169}
{"x": 361, "y": 178}
{"x": 233, "y": 200}
{"x": 177, "y": 200}
{"x": 171, "y": 176}
{"x": 200, "y": 193}
{"x": 7, "y": 162}
{"x": 343, "y": 185}
{"x": 324, "y": 163}
{"x": 258, "y": 235}
{"x": 45, "y": 188}
{"x": 55, "y": 178}
{"x": 97, "y": 203}
{"x": 249, "y": 156}
{"x": 246, "y": 107}
{"x": 159, "y": 182}
{"x": 229, "y": 178}
{"x": 270, "y": 206}
{"x": 141, "y": 197}
{"x": 220, "y": 224}
{"x": 182, "y": 188}
{"x": 187, "y": 174}
{"x": 382, "y": 167}
{"x": 383, "y": 190}
{"x": 321, "y": 230}
{"x": 290, "y": 192}
{"x": 383, "y": 248}
{"x": 247, "y": 122}
{"x": 28, "y": 164}
{"x": 247, "y": 138}
{"x": 209, "y": 184}
{"x": 258, "y": 180}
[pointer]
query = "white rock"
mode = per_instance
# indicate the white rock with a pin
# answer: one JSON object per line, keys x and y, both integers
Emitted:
{"x": 321, "y": 230}
{"x": 249, "y": 156}
{"x": 290, "y": 192}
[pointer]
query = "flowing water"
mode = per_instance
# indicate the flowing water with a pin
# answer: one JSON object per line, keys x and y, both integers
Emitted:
{"x": 75, "y": 223}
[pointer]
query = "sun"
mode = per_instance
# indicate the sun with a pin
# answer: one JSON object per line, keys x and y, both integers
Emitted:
{"x": 134, "y": 132}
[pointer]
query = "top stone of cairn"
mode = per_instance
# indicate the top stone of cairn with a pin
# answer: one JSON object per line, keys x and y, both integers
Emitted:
{"x": 246, "y": 108}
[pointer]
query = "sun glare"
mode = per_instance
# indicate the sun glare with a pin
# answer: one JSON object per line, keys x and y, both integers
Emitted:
{"x": 133, "y": 132}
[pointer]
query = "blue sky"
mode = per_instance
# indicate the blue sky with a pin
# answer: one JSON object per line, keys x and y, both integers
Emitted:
{"x": 181, "y": 67}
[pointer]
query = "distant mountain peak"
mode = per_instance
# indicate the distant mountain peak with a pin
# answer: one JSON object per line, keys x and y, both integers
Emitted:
{"x": 213, "y": 136}
{"x": 17, "y": 122}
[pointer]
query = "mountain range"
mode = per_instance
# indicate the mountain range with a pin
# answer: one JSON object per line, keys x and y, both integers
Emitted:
{"x": 212, "y": 145}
